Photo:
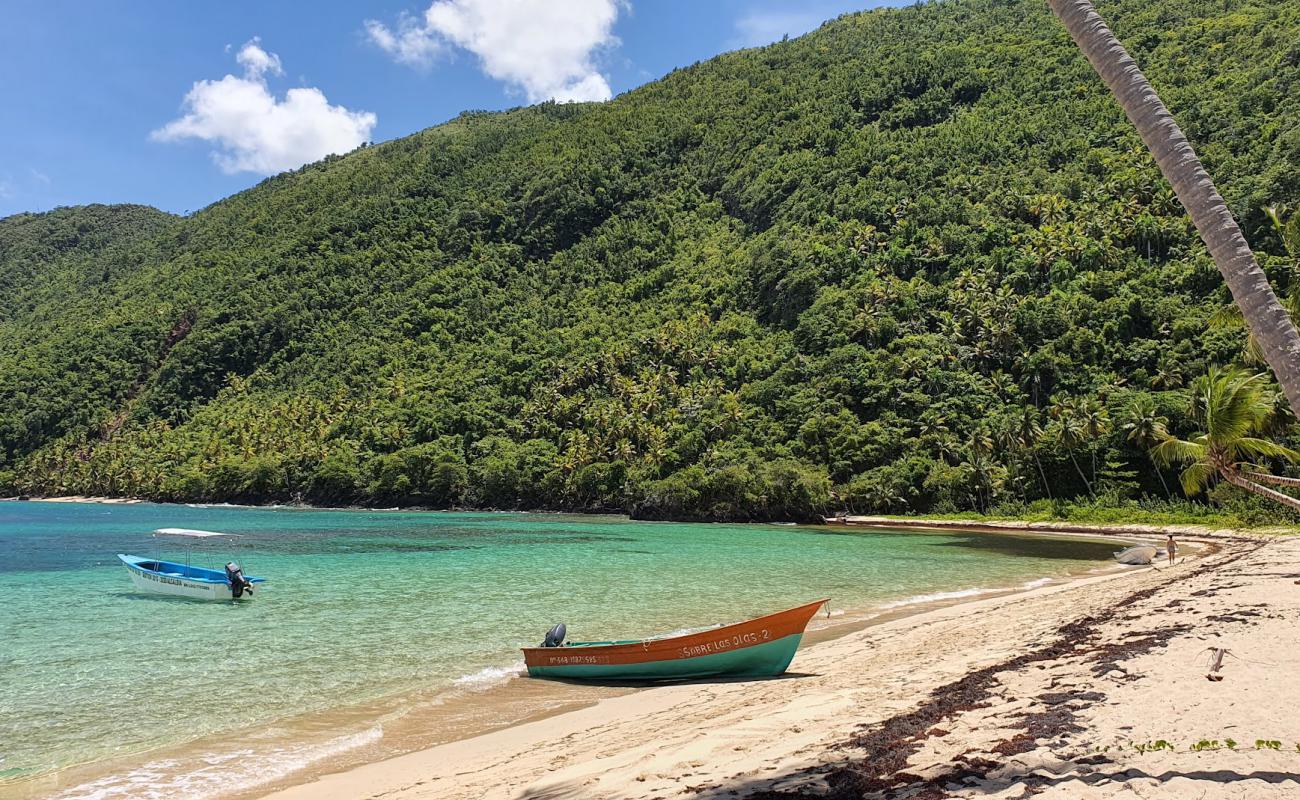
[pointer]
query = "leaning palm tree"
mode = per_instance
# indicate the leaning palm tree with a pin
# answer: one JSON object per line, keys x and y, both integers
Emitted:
{"x": 1230, "y": 317}
{"x": 1265, "y": 316}
{"x": 1228, "y": 405}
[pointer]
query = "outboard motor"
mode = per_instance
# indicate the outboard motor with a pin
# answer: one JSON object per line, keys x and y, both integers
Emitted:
{"x": 238, "y": 583}
{"x": 555, "y": 636}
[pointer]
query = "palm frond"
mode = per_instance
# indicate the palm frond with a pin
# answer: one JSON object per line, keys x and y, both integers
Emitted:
{"x": 1263, "y": 448}
{"x": 1229, "y": 316}
{"x": 1195, "y": 478}
{"x": 1177, "y": 451}
{"x": 1231, "y": 403}
{"x": 1254, "y": 354}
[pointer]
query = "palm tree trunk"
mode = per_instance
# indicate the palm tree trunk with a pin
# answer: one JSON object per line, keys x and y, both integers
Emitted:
{"x": 1265, "y": 316}
{"x": 1241, "y": 482}
{"x": 1160, "y": 475}
{"x": 1043, "y": 475}
{"x": 1274, "y": 479}
{"x": 1079, "y": 470}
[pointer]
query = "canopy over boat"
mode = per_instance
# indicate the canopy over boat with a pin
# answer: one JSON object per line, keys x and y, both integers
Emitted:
{"x": 756, "y": 648}
{"x": 185, "y": 579}
{"x": 193, "y": 534}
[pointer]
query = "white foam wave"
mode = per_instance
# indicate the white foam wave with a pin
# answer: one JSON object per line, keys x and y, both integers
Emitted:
{"x": 958, "y": 595}
{"x": 935, "y": 597}
{"x": 489, "y": 676}
{"x": 220, "y": 773}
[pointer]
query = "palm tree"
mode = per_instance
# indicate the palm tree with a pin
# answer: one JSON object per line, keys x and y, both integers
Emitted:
{"x": 1265, "y": 316}
{"x": 1027, "y": 434}
{"x": 1167, "y": 375}
{"x": 1146, "y": 427}
{"x": 1071, "y": 432}
{"x": 983, "y": 476}
{"x": 1230, "y": 316}
{"x": 1096, "y": 424}
{"x": 1229, "y": 405}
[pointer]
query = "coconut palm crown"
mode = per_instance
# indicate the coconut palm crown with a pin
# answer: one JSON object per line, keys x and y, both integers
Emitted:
{"x": 1229, "y": 405}
{"x": 1145, "y": 427}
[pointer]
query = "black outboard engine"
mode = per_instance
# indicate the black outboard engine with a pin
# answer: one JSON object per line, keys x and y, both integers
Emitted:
{"x": 238, "y": 583}
{"x": 555, "y": 636}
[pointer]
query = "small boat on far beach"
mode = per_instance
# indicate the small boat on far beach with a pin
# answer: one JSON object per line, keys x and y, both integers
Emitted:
{"x": 183, "y": 579}
{"x": 1138, "y": 555}
{"x": 756, "y": 648}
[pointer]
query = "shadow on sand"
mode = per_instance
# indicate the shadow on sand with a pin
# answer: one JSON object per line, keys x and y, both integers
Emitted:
{"x": 837, "y": 782}
{"x": 645, "y": 684}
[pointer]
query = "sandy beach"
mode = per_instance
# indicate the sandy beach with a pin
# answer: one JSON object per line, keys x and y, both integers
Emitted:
{"x": 1093, "y": 688}
{"x": 76, "y": 498}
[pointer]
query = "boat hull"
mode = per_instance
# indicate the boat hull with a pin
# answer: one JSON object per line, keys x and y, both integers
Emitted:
{"x": 176, "y": 583}
{"x": 757, "y": 648}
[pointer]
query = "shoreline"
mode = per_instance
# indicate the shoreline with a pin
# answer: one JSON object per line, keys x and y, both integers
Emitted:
{"x": 399, "y": 725}
{"x": 971, "y": 524}
{"x": 906, "y": 616}
{"x": 908, "y": 612}
{"x": 726, "y": 739}
{"x": 1060, "y": 528}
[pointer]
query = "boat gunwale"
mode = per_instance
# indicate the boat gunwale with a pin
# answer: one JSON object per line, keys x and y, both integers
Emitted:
{"x": 217, "y": 581}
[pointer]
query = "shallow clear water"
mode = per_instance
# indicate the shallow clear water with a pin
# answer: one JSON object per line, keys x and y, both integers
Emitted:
{"x": 363, "y": 605}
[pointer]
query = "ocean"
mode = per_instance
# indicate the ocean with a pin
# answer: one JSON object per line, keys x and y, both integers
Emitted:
{"x": 382, "y": 631}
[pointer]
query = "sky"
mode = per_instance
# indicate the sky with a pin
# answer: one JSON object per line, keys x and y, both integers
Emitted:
{"x": 178, "y": 103}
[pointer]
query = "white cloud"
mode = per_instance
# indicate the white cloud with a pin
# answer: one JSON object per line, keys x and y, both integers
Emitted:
{"x": 256, "y": 132}
{"x": 410, "y": 44}
{"x": 256, "y": 61}
{"x": 544, "y": 48}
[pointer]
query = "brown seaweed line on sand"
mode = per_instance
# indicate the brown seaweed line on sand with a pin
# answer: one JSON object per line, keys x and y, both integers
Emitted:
{"x": 893, "y": 741}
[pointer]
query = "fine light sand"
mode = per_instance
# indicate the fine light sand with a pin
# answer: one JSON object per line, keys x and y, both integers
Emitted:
{"x": 1105, "y": 669}
{"x": 76, "y": 498}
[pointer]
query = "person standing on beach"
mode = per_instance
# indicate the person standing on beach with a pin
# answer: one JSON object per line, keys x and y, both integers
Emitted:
{"x": 1171, "y": 547}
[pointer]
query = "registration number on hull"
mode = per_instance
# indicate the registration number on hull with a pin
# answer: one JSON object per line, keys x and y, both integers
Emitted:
{"x": 561, "y": 661}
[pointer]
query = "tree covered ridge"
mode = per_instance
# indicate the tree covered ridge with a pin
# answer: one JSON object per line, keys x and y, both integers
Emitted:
{"x": 915, "y": 260}
{"x": 69, "y": 250}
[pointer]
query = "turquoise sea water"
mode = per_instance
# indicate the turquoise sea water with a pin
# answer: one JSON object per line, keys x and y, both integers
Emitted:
{"x": 363, "y": 606}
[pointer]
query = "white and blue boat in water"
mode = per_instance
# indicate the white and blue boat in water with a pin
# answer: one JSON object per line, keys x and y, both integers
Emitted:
{"x": 183, "y": 579}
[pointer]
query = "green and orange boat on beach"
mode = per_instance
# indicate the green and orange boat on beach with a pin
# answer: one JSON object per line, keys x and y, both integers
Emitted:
{"x": 757, "y": 648}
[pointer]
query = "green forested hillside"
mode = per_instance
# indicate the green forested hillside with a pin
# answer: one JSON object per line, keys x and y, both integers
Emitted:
{"x": 46, "y": 257}
{"x": 915, "y": 260}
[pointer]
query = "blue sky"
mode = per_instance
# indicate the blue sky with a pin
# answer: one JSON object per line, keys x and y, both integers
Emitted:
{"x": 177, "y": 104}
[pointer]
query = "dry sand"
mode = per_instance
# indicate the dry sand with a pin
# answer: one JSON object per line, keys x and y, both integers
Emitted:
{"x": 1064, "y": 691}
{"x": 76, "y": 498}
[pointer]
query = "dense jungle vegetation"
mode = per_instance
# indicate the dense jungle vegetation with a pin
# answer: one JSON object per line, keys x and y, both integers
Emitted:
{"x": 914, "y": 261}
